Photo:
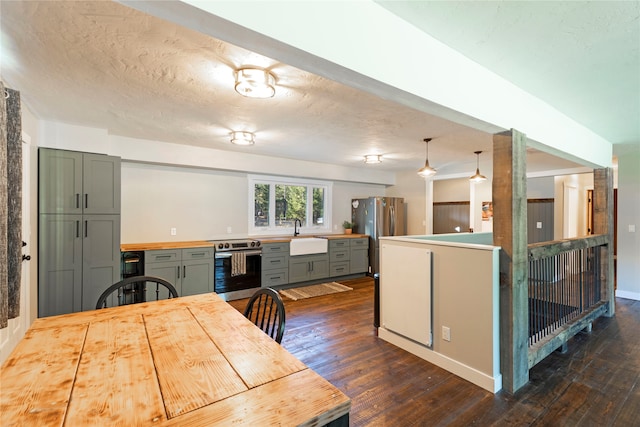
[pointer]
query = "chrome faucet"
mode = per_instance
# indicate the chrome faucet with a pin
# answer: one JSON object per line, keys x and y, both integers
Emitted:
{"x": 295, "y": 227}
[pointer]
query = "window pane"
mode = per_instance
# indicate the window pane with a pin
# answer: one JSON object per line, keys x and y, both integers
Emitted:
{"x": 318, "y": 206}
{"x": 261, "y": 199}
{"x": 291, "y": 204}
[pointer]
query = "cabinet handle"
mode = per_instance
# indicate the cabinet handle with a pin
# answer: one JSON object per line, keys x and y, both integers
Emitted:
{"x": 198, "y": 254}
{"x": 77, "y": 200}
{"x": 184, "y": 271}
{"x": 86, "y": 200}
{"x": 276, "y": 277}
{"x": 77, "y": 229}
{"x": 86, "y": 228}
{"x": 178, "y": 267}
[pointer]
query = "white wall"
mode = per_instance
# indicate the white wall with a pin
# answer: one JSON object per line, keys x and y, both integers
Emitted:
{"x": 202, "y": 203}
{"x": 582, "y": 183}
{"x": 629, "y": 216}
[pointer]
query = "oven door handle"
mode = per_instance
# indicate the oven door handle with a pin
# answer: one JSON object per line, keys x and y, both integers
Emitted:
{"x": 228, "y": 254}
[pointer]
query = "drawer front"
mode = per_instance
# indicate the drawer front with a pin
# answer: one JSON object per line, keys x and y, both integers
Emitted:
{"x": 339, "y": 269}
{"x": 163, "y": 255}
{"x": 197, "y": 253}
{"x": 337, "y": 255}
{"x": 338, "y": 243}
{"x": 275, "y": 248}
{"x": 271, "y": 262}
{"x": 360, "y": 243}
{"x": 275, "y": 277}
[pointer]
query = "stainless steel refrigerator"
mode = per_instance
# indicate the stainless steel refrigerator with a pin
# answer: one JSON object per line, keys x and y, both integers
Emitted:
{"x": 378, "y": 217}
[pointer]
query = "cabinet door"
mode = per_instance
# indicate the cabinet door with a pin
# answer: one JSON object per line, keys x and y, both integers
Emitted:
{"x": 101, "y": 256}
{"x": 359, "y": 262}
{"x": 319, "y": 268}
{"x": 60, "y": 265}
{"x": 165, "y": 270}
{"x": 101, "y": 184}
{"x": 299, "y": 267}
{"x": 59, "y": 181}
{"x": 197, "y": 277}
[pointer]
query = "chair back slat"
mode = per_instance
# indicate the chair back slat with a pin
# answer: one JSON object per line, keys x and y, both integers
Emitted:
{"x": 133, "y": 290}
{"x": 265, "y": 309}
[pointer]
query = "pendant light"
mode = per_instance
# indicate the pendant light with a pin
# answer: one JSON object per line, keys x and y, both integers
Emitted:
{"x": 478, "y": 177}
{"x": 427, "y": 171}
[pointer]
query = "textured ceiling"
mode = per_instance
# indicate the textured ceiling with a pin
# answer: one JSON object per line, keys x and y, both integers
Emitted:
{"x": 102, "y": 64}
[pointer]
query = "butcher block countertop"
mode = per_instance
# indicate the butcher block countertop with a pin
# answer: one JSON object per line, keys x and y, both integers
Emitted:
{"x": 165, "y": 245}
{"x": 280, "y": 239}
{"x": 127, "y": 247}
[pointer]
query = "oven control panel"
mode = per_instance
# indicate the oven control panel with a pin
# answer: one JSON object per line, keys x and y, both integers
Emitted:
{"x": 236, "y": 245}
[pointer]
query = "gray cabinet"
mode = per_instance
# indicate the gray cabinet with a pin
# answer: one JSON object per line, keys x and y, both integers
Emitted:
{"x": 358, "y": 255}
{"x": 308, "y": 267}
{"x": 190, "y": 270}
{"x": 339, "y": 257}
{"x": 275, "y": 264}
{"x": 79, "y": 229}
{"x": 71, "y": 182}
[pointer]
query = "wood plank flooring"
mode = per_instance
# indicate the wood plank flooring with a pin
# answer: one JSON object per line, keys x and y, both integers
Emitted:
{"x": 596, "y": 383}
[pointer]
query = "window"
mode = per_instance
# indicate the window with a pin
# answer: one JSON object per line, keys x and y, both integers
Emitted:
{"x": 277, "y": 202}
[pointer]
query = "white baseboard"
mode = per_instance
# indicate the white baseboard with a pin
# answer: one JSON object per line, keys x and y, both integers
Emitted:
{"x": 487, "y": 382}
{"x": 628, "y": 295}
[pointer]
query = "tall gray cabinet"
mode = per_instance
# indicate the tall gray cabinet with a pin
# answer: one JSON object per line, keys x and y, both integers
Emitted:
{"x": 78, "y": 230}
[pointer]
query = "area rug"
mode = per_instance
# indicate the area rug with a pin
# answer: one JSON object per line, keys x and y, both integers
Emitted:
{"x": 314, "y": 290}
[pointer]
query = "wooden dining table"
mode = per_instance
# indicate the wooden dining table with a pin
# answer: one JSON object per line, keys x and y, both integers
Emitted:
{"x": 190, "y": 361}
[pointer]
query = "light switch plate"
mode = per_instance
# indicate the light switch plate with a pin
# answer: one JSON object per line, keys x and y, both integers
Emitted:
{"x": 632, "y": 228}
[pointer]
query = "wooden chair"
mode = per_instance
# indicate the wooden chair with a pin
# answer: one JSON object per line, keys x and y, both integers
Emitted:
{"x": 136, "y": 289}
{"x": 266, "y": 310}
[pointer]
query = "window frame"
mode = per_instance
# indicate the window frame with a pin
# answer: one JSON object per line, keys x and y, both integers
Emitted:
{"x": 272, "y": 229}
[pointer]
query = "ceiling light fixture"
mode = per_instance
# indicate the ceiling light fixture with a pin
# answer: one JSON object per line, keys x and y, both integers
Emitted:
{"x": 255, "y": 83}
{"x": 242, "y": 138}
{"x": 477, "y": 177}
{"x": 427, "y": 171}
{"x": 373, "y": 159}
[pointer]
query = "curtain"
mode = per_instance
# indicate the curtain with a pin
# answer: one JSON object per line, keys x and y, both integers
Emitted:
{"x": 10, "y": 204}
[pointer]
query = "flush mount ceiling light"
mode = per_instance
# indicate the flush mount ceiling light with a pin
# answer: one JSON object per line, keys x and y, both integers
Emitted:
{"x": 242, "y": 138}
{"x": 372, "y": 159}
{"x": 255, "y": 83}
{"x": 427, "y": 171}
{"x": 477, "y": 177}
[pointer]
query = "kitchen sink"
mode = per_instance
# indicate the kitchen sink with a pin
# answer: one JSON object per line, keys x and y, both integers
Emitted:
{"x": 308, "y": 245}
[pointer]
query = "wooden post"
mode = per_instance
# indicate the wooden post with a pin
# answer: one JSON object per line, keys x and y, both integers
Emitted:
{"x": 603, "y": 224}
{"x": 510, "y": 233}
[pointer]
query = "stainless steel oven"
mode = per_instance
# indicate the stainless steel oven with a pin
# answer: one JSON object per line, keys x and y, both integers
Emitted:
{"x": 238, "y": 266}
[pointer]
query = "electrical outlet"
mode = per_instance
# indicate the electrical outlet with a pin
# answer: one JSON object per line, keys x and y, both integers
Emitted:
{"x": 229, "y": 230}
{"x": 539, "y": 224}
{"x": 174, "y": 231}
{"x": 632, "y": 228}
{"x": 446, "y": 333}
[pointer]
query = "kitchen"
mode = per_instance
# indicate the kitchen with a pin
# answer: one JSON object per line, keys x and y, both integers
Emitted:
{"x": 191, "y": 189}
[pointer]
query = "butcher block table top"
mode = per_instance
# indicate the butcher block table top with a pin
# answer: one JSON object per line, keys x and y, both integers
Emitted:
{"x": 190, "y": 361}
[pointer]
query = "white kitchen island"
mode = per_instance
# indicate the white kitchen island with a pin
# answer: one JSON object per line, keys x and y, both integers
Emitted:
{"x": 439, "y": 299}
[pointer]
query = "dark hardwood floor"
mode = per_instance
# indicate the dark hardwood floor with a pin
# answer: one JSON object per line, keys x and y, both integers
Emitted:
{"x": 596, "y": 383}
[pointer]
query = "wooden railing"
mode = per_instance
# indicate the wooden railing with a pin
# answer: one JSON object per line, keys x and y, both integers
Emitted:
{"x": 565, "y": 291}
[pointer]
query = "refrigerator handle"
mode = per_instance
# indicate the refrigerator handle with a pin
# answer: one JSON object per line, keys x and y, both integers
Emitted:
{"x": 392, "y": 220}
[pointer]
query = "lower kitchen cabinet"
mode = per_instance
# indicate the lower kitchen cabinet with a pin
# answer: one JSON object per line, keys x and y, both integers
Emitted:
{"x": 79, "y": 257}
{"x": 275, "y": 264}
{"x": 308, "y": 267}
{"x": 359, "y": 255}
{"x": 190, "y": 270}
